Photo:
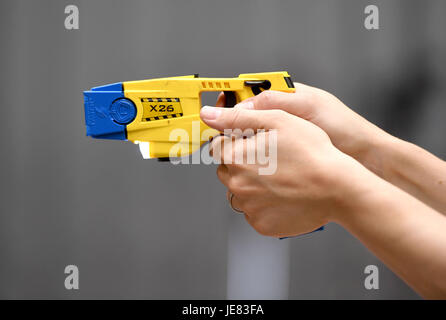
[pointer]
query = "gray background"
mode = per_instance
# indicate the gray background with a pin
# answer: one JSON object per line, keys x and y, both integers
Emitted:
{"x": 143, "y": 229}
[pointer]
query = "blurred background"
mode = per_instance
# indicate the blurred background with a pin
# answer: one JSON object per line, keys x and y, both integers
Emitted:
{"x": 144, "y": 229}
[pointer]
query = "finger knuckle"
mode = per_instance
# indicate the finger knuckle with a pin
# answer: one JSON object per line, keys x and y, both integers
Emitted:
{"x": 235, "y": 185}
{"x": 221, "y": 174}
{"x": 216, "y": 141}
{"x": 277, "y": 115}
{"x": 232, "y": 122}
{"x": 266, "y": 97}
{"x": 310, "y": 97}
{"x": 228, "y": 156}
{"x": 238, "y": 154}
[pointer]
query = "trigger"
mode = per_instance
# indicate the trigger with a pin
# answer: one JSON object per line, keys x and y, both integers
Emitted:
{"x": 256, "y": 85}
{"x": 230, "y": 98}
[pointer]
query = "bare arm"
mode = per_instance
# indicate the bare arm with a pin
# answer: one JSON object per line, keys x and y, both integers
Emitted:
{"x": 408, "y": 236}
{"x": 409, "y": 167}
{"x": 315, "y": 183}
{"x": 401, "y": 163}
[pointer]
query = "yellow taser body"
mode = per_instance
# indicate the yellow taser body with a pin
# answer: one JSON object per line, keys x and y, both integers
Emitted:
{"x": 166, "y": 111}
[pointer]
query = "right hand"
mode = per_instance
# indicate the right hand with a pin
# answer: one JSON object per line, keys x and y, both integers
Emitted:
{"x": 348, "y": 131}
{"x": 308, "y": 182}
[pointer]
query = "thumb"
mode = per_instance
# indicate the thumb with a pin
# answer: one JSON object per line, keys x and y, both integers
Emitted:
{"x": 239, "y": 118}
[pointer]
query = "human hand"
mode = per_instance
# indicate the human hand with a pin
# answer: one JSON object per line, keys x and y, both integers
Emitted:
{"x": 316, "y": 183}
{"x": 348, "y": 131}
{"x": 308, "y": 187}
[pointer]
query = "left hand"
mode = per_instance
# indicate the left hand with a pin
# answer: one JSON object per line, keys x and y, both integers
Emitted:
{"x": 308, "y": 187}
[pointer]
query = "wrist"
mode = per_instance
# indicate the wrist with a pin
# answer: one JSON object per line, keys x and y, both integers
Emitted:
{"x": 375, "y": 153}
{"x": 353, "y": 189}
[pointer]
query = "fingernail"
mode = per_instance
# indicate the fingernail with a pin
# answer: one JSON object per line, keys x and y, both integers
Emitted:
{"x": 210, "y": 113}
{"x": 245, "y": 105}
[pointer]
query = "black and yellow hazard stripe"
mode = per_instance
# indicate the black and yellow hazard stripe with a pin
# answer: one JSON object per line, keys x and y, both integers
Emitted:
{"x": 161, "y": 108}
{"x": 160, "y": 99}
{"x": 169, "y": 116}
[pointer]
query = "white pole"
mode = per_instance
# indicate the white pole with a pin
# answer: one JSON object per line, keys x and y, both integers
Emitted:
{"x": 258, "y": 266}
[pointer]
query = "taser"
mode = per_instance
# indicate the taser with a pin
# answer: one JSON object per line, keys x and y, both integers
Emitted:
{"x": 147, "y": 111}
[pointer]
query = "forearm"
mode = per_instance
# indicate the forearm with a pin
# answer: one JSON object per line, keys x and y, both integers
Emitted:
{"x": 410, "y": 168}
{"x": 404, "y": 233}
